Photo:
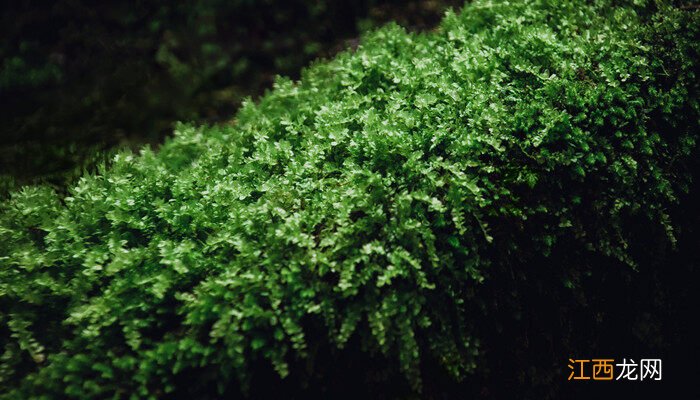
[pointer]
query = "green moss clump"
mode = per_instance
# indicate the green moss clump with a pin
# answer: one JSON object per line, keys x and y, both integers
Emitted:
{"x": 367, "y": 206}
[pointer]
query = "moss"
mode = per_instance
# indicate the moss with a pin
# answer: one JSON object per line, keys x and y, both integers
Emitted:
{"x": 370, "y": 205}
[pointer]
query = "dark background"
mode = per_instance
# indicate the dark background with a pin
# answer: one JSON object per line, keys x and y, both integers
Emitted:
{"x": 81, "y": 77}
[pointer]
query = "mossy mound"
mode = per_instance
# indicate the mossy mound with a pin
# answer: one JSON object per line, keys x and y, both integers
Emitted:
{"x": 368, "y": 208}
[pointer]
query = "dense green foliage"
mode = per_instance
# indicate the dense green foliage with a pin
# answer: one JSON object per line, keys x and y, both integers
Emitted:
{"x": 368, "y": 207}
{"x": 77, "y": 77}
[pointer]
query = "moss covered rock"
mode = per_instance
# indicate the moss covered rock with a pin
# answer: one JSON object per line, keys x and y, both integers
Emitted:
{"x": 368, "y": 208}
